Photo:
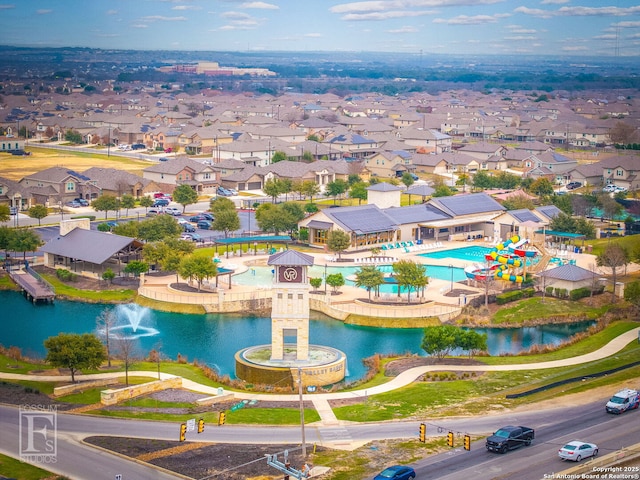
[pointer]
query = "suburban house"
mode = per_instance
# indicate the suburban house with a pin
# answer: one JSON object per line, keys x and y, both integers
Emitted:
{"x": 116, "y": 182}
{"x": 183, "y": 171}
{"x": 389, "y": 164}
{"x": 623, "y": 171}
{"x": 8, "y": 144}
{"x": 15, "y": 195}
{"x": 551, "y": 165}
{"x": 353, "y": 145}
{"x": 58, "y": 185}
{"x": 429, "y": 140}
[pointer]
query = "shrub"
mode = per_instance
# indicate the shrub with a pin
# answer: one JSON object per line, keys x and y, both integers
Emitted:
{"x": 560, "y": 292}
{"x": 579, "y": 293}
{"x": 66, "y": 275}
{"x": 507, "y": 297}
{"x": 549, "y": 291}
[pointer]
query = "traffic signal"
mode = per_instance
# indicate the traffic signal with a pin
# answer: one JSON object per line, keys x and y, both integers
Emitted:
{"x": 450, "y": 439}
{"x": 222, "y": 418}
{"x": 423, "y": 433}
{"x": 467, "y": 442}
{"x": 200, "y": 425}
{"x": 183, "y": 431}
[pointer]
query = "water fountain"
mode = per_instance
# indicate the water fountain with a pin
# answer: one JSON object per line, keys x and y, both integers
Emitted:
{"x": 291, "y": 358}
{"x": 132, "y": 321}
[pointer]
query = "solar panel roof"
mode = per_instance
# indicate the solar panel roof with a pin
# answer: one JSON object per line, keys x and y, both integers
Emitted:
{"x": 467, "y": 204}
{"x": 549, "y": 211}
{"x": 524, "y": 215}
{"x": 365, "y": 219}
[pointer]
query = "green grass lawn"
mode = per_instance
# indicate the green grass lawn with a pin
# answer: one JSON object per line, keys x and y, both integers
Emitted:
{"x": 98, "y": 296}
{"x": 539, "y": 309}
{"x": 13, "y": 468}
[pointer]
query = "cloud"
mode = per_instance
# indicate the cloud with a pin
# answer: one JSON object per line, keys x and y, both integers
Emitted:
{"x": 535, "y": 12}
{"x": 405, "y": 29}
{"x": 626, "y": 24}
{"x": 235, "y": 15}
{"x": 161, "y": 18}
{"x": 260, "y": 6}
{"x": 112, "y": 12}
{"x": 6, "y": 6}
{"x": 520, "y": 38}
{"x": 580, "y": 11}
{"x": 574, "y": 49}
{"x": 313, "y": 35}
{"x": 185, "y": 7}
{"x": 383, "y": 5}
{"x": 378, "y": 16}
{"x": 475, "y": 20}
{"x": 139, "y": 25}
{"x": 520, "y": 29}
{"x": 44, "y": 11}
{"x": 549, "y": 2}
{"x": 609, "y": 36}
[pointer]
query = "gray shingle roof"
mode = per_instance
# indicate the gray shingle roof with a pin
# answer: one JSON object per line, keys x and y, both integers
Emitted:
{"x": 290, "y": 257}
{"x": 383, "y": 187}
{"x": 88, "y": 245}
{"x": 568, "y": 272}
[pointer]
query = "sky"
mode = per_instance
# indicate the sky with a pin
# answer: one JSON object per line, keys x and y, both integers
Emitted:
{"x": 572, "y": 28}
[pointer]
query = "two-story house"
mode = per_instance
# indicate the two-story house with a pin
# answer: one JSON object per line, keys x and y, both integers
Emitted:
{"x": 183, "y": 171}
{"x": 58, "y": 185}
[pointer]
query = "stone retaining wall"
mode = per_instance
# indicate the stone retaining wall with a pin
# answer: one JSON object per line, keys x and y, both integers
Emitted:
{"x": 78, "y": 387}
{"x": 111, "y": 396}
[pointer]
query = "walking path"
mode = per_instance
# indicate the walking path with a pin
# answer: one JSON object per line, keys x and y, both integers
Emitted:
{"x": 321, "y": 400}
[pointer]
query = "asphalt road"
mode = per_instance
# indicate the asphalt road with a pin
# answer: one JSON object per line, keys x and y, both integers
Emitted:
{"x": 554, "y": 428}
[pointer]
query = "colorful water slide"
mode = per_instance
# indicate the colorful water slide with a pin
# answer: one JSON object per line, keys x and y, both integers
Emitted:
{"x": 506, "y": 261}
{"x": 479, "y": 272}
{"x": 517, "y": 249}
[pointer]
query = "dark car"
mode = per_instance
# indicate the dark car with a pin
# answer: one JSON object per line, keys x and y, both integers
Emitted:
{"x": 204, "y": 224}
{"x": 73, "y": 204}
{"x": 82, "y": 201}
{"x": 509, "y": 438}
{"x": 194, "y": 237}
{"x": 396, "y": 472}
{"x": 19, "y": 152}
{"x": 573, "y": 185}
{"x": 138, "y": 146}
{"x": 163, "y": 159}
{"x": 187, "y": 227}
{"x": 161, "y": 202}
{"x": 201, "y": 216}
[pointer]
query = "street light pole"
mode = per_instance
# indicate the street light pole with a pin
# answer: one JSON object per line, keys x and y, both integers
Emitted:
{"x": 451, "y": 268}
{"x": 325, "y": 280}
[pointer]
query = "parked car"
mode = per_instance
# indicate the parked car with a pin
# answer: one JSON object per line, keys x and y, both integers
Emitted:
{"x": 158, "y": 195}
{"x": 619, "y": 189}
{"x": 163, "y": 159}
{"x": 20, "y": 152}
{"x": 573, "y": 185}
{"x": 609, "y": 188}
{"x": 625, "y": 399}
{"x": 161, "y": 202}
{"x": 152, "y": 212}
{"x": 201, "y": 216}
{"x": 233, "y": 191}
{"x": 187, "y": 227}
{"x": 510, "y": 437}
{"x": 173, "y": 211}
{"x": 138, "y": 146}
{"x": 222, "y": 191}
{"x": 396, "y": 472}
{"x": 194, "y": 237}
{"x": 82, "y": 201}
{"x": 73, "y": 204}
{"x": 204, "y": 224}
{"x": 576, "y": 451}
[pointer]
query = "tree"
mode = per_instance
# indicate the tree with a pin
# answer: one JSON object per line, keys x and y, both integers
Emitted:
{"x": 73, "y": 136}
{"x": 39, "y": 212}
{"x": 106, "y": 203}
{"x": 369, "y": 277}
{"x": 482, "y": 181}
{"x": 407, "y": 179}
{"x": 632, "y": 293}
{"x": 310, "y": 189}
{"x": 335, "y": 189}
{"x": 338, "y": 241}
{"x": 197, "y": 267}
{"x": 127, "y": 201}
{"x": 410, "y": 275}
{"x": 359, "y": 190}
{"x": 335, "y": 281}
{"x": 108, "y": 275}
{"x": 146, "y": 202}
{"x": 542, "y": 187}
{"x": 278, "y": 156}
{"x": 219, "y": 204}
{"x": 24, "y": 240}
{"x": 269, "y": 218}
{"x": 158, "y": 228}
{"x": 518, "y": 202}
{"x": 315, "y": 282}
{"x": 185, "y": 195}
{"x": 439, "y": 341}
{"x": 471, "y": 341}
{"x": 5, "y": 212}
{"x": 610, "y": 208}
{"x": 622, "y": 133}
{"x": 613, "y": 257}
{"x": 272, "y": 188}
{"x": 136, "y": 267}
{"x": 75, "y": 352}
{"x": 126, "y": 348}
{"x": 105, "y": 323}
{"x": 463, "y": 181}
{"x": 442, "y": 191}
{"x": 226, "y": 221}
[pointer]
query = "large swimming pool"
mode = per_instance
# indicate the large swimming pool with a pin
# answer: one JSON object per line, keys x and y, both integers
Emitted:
{"x": 473, "y": 253}
{"x": 263, "y": 276}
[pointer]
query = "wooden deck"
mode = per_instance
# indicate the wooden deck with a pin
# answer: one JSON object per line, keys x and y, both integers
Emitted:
{"x": 35, "y": 288}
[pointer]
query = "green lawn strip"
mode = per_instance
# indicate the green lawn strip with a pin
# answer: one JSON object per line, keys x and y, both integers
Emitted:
{"x": 538, "y": 309}
{"x": 257, "y": 416}
{"x": 42, "y": 387}
{"x": 599, "y": 245}
{"x": 153, "y": 403}
{"x": 186, "y": 308}
{"x": 101, "y": 296}
{"x": 6, "y": 283}
{"x": 475, "y": 396}
{"x": 14, "y": 468}
{"x": 9, "y": 365}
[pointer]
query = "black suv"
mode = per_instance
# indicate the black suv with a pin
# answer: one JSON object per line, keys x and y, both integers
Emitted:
{"x": 573, "y": 185}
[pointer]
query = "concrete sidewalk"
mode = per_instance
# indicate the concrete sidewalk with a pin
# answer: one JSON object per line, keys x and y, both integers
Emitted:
{"x": 321, "y": 400}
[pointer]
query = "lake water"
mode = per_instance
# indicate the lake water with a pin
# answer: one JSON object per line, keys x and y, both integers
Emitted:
{"x": 213, "y": 339}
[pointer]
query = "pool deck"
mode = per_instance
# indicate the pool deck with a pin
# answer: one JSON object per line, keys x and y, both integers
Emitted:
{"x": 436, "y": 298}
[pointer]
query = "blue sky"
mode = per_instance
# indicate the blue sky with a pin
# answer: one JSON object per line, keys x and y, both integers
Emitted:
{"x": 575, "y": 28}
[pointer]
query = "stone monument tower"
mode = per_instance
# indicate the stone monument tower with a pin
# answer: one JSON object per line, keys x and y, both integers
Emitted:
{"x": 290, "y": 307}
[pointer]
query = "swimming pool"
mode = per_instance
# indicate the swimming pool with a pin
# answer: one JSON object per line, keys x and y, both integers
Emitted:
{"x": 473, "y": 253}
{"x": 262, "y": 276}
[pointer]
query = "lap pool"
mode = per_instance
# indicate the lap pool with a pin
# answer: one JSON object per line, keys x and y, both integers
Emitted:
{"x": 473, "y": 253}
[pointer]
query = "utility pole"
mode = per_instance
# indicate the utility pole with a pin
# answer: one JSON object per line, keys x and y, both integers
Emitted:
{"x": 304, "y": 442}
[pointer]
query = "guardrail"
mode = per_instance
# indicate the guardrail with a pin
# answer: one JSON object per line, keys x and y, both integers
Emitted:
{"x": 38, "y": 277}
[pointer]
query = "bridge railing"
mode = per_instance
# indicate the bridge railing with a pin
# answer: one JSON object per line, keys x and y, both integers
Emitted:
{"x": 38, "y": 277}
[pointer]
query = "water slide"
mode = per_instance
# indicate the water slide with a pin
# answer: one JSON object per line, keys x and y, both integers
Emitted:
{"x": 507, "y": 261}
{"x": 479, "y": 272}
